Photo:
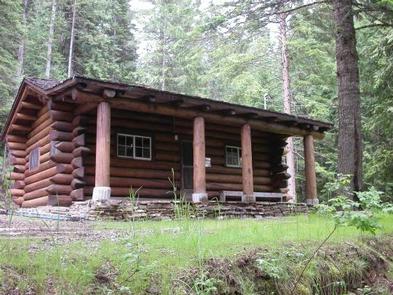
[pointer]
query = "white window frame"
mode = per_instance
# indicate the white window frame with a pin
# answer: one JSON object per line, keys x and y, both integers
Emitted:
{"x": 133, "y": 146}
{"x": 38, "y": 151}
{"x": 238, "y": 148}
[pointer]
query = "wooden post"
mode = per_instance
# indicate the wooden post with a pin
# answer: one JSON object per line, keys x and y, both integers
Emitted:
{"x": 199, "y": 173}
{"x": 309, "y": 162}
{"x": 102, "y": 190}
{"x": 247, "y": 172}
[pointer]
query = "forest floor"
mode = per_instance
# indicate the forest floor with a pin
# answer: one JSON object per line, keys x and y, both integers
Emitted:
{"x": 189, "y": 256}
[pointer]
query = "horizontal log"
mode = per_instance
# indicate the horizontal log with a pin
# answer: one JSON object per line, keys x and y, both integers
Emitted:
{"x": 17, "y": 160}
{"x": 45, "y": 157}
{"x": 167, "y": 156}
{"x": 77, "y": 194}
{"x": 60, "y": 157}
{"x": 79, "y": 140}
{"x": 17, "y": 176}
{"x": 56, "y": 135}
{"x": 59, "y": 189}
{"x": 134, "y": 182}
{"x": 235, "y": 179}
{"x": 78, "y": 131}
{"x": 18, "y": 153}
{"x": 29, "y": 105}
{"x": 60, "y": 106}
{"x": 19, "y": 128}
{"x": 77, "y": 162}
{"x": 236, "y": 187}
{"x": 61, "y": 116}
{"x": 37, "y": 185}
{"x": 15, "y": 138}
{"x": 35, "y": 194}
{"x": 61, "y": 178}
{"x": 77, "y": 183}
{"x": 19, "y": 184}
{"x": 81, "y": 151}
{"x": 42, "y": 201}
{"x": 130, "y": 163}
{"x": 42, "y": 142}
{"x": 16, "y": 145}
{"x": 44, "y": 116}
{"x": 80, "y": 121}
{"x": 64, "y": 146}
{"x": 79, "y": 172}
{"x": 281, "y": 176}
{"x": 24, "y": 117}
{"x": 17, "y": 192}
{"x": 85, "y": 108}
{"x": 59, "y": 200}
{"x": 18, "y": 200}
{"x": 125, "y": 192}
{"x": 38, "y": 136}
{"x": 279, "y": 168}
{"x": 137, "y": 173}
{"x": 52, "y": 170}
{"x": 62, "y": 126}
{"x": 19, "y": 168}
{"x": 44, "y": 125}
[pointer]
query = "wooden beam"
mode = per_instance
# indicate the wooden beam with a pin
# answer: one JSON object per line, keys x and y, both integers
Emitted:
{"x": 29, "y": 105}
{"x": 247, "y": 169}
{"x": 103, "y": 139}
{"x": 309, "y": 162}
{"x": 109, "y": 93}
{"x": 199, "y": 174}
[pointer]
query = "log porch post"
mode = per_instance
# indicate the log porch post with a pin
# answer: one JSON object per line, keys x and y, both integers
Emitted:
{"x": 247, "y": 170}
{"x": 309, "y": 162}
{"x": 199, "y": 171}
{"x": 102, "y": 190}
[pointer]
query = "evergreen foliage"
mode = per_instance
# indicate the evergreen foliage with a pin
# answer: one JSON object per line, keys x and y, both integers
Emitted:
{"x": 224, "y": 51}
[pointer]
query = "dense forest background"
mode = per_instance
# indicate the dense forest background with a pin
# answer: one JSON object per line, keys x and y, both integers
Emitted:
{"x": 225, "y": 50}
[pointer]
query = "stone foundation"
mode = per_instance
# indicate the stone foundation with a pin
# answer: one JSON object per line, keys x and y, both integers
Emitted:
{"x": 161, "y": 210}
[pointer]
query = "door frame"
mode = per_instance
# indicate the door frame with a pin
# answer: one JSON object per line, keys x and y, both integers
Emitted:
{"x": 187, "y": 191}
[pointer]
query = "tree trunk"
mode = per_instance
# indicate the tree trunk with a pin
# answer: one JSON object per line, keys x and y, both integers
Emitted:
{"x": 290, "y": 157}
{"x": 72, "y": 37}
{"x": 21, "y": 49}
{"x": 349, "y": 133}
{"x": 163, "y": 59}
{"x": 50, "y": 40}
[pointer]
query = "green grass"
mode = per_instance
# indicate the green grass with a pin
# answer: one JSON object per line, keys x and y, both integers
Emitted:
{"x": 158, "y": 251}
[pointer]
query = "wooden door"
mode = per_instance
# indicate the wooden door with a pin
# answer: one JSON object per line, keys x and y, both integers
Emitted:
{"x": 186, "y": 168}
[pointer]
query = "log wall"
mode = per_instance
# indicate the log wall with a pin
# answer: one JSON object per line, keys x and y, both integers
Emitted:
{"x": 152, "y": 176}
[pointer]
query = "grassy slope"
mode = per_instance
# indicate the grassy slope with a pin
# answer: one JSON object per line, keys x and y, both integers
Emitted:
{"x": 155, "y": 251}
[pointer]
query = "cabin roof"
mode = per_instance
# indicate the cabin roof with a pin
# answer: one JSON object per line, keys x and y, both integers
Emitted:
{"x": 50, "y": 87}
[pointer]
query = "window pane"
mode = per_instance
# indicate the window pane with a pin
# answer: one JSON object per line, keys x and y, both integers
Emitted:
{"x": 129, "y": 141}
{"x": 129, "y": 152}
{"x": 121, "y": 139}
{"x": 146, "y": 153}
{"x": 146, "y": 142}
{"x": 138, "y": 141}
{"x": 138, "y": 152}
{"x": 232, "y": 156}
{"x": 121, "y": 150}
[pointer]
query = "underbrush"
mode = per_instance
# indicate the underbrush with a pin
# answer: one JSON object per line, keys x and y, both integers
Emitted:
{"x": 199, "y": 257}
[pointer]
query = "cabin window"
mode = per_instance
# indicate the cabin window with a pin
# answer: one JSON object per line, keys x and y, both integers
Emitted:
{"x": 232, "y": 156}
{"x": 134, "y": 146}
{"x": 34, "y": 159}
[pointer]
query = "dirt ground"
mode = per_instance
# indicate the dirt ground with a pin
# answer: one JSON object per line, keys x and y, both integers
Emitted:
{"x": 51, "y": 232}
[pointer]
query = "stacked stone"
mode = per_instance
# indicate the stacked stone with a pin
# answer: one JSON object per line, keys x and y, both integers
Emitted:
{"x": 159, "y": 210}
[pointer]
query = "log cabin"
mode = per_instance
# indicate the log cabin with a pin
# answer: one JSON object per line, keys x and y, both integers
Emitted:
{"x": 84, "y": 138}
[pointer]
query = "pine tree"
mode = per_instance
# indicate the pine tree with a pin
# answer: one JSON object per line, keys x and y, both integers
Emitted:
{"x": 104, "y": 42}
{"x": 10, "y": 35}
{"x": 173, "y": 59}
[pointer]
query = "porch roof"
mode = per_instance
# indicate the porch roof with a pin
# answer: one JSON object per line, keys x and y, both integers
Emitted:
{"x": 140, "y": 93}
